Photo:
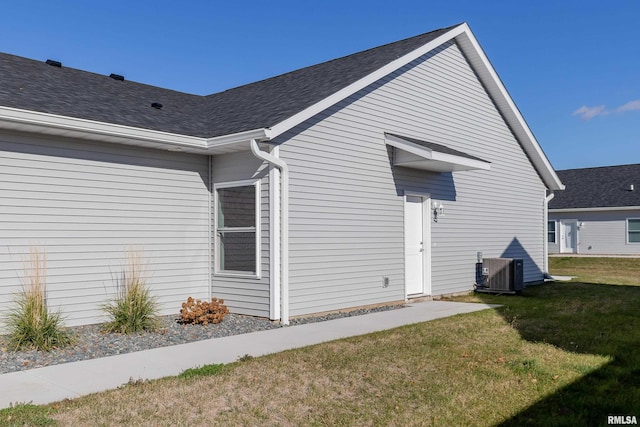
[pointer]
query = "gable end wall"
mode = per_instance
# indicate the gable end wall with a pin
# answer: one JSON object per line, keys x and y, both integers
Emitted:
{"x": 346, "y": 207}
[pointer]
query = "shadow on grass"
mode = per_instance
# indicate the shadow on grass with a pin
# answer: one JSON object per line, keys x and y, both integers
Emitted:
{"x": 582, "y": 318}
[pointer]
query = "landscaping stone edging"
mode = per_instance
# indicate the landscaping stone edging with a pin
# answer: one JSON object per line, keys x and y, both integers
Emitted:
{"x": 93, "y": 343}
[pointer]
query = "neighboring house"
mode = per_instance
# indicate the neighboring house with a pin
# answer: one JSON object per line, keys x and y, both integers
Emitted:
{"x": 598, "y": 212}
{"x": 372, "y": 178}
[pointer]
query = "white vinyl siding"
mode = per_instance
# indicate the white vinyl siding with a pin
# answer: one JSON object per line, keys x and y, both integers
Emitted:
{"x": 346, "y": 207}
{"x": 249, "y": 294}
{"x": 85, "y": 203}
{"x": 602, "y": 233}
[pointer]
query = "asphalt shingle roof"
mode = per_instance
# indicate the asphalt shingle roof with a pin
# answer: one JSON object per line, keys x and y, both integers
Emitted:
{"x": 607, "y": 186}
{"x": 33, "y": 85}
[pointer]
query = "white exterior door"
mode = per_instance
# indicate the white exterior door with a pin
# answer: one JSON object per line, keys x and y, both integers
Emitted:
{"x": 569, "y": 236}
{"x": 417, "y": 274}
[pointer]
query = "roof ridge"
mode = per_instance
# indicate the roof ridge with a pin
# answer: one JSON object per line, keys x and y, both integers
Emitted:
{"x": 599, "y": 167}
{"x": 386, "y": 45}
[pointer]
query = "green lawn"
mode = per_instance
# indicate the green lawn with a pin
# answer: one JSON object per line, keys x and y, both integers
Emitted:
{"x": 559, "y": 354}
{"x": 612, "y": 271}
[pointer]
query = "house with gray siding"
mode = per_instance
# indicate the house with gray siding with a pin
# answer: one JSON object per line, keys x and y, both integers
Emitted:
{"x": 373, "y": 178}
{"x": 598, "y": 213}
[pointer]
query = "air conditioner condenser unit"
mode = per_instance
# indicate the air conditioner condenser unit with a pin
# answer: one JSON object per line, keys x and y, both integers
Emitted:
{"x": 500, "y": 275}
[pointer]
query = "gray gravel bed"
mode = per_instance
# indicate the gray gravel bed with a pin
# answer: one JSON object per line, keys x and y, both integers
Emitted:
{"x": 91, "y": 342}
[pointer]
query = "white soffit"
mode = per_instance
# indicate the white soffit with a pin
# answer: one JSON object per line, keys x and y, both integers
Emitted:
{"x": 411, "y": 155}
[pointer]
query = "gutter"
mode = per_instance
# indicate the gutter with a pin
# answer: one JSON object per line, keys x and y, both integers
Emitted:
{"x": 284, "y": 230}
{"x": 597, "y": 209}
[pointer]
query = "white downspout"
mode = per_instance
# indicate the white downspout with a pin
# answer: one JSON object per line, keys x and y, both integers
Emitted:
{"x": 210, "y": 226}
{"x": 546, "y": 232}
{"x": 284, "y": 229}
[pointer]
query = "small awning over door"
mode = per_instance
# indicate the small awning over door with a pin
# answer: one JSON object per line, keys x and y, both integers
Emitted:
{"x": 417, "y": 154}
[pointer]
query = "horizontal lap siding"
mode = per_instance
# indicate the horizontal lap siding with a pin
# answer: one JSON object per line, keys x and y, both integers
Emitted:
{"x": 342, "y": 238}
{"x": 601, "y": 232}
{"x": 248, "y": 296}
{"x": 85, "y": 203}
{"x": 346, "y": 213}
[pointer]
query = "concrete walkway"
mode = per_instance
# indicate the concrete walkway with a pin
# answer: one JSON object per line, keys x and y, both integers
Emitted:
{"x": 70, "y": 380}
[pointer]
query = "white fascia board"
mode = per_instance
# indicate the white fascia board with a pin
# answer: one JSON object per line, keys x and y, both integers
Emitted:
{"x": 311, "y": 111}
{"x": 52, "y": 124}
{"x": 260, "y": 134}
{"x": 437, "y": 156}
{"x": 461, "y": 161}
{"x": 602, "y": 209}
{"x": 490, "y": 79}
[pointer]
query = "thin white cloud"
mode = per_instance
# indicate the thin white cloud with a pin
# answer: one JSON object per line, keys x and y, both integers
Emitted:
{"x": 588, "y": 113}
{"x": 629, "y": 106}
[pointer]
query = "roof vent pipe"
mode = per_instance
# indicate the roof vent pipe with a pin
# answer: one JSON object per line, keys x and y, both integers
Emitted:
{"x": 54, "y": 63}
{"x": 631, "y": 187}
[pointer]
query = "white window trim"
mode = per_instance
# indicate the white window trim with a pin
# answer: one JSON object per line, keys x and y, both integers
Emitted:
{"x": 217, "y": 271}
{"x": 626, "y": 223}
{"x": 555, "y": 232}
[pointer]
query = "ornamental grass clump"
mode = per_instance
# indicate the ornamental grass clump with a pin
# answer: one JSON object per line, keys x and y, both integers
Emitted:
{"x": 203, "y": 312}
{"x": 133, "y": 309}
{"x": 30, "y": 323}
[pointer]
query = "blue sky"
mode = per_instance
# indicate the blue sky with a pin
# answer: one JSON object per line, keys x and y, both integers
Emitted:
{"x": 572, "y": 67}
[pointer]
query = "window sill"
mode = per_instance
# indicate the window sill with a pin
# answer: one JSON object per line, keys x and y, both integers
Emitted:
{"x": 237, "y": 275}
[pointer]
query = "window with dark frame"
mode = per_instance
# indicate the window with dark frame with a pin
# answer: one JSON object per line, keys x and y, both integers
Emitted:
{"x": 551, "y": 231}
